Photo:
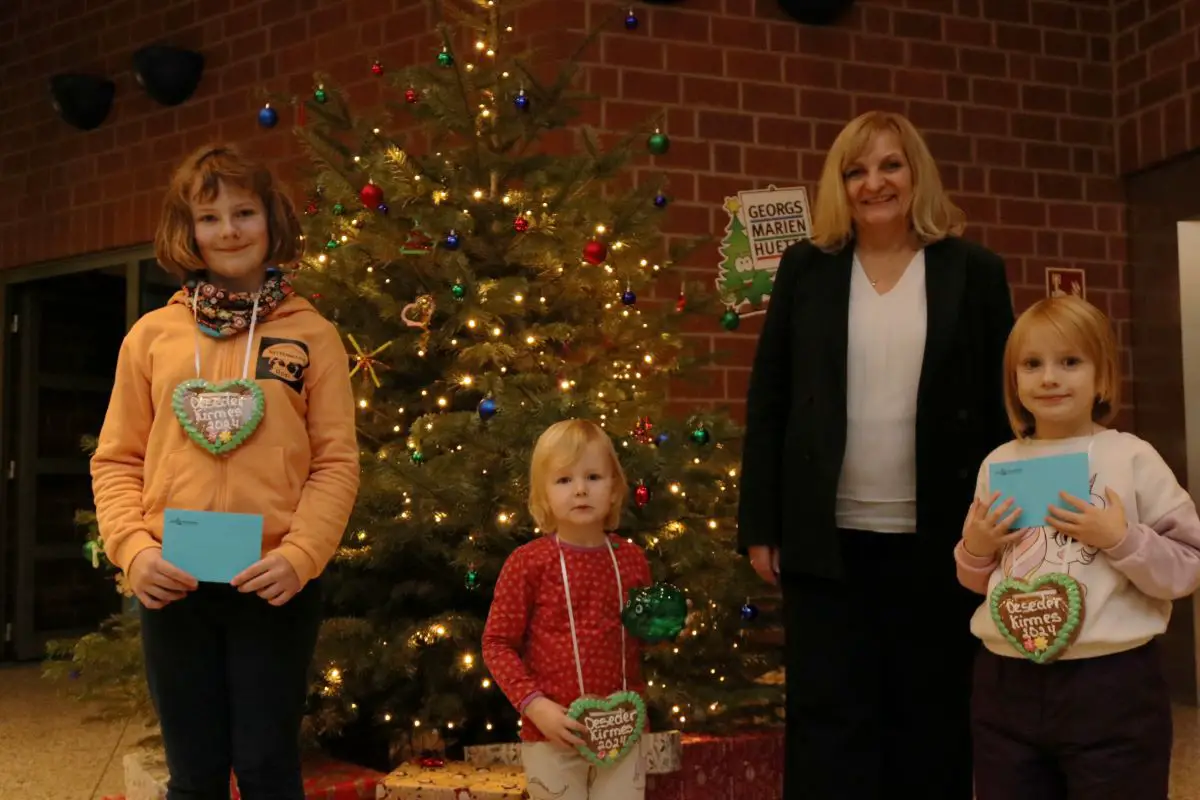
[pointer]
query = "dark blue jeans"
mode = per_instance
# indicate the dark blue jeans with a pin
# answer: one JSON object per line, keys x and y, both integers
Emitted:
{"x": 228, "y": 674}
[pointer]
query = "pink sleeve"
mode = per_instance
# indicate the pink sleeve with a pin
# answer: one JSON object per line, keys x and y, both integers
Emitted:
{"x": 505, "y": 632}
{"x": 1162, "y": 560}
{"x": 973, "y": 572}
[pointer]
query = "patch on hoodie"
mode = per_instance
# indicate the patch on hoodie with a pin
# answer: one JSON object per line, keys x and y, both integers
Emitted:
{"x": 282, "y": 360}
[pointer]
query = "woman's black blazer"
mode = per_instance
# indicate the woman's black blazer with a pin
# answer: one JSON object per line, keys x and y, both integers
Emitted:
{"x": 796, "y": 410}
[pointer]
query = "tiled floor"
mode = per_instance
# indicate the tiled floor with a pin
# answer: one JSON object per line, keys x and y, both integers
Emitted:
{"x": 48, "y": 752}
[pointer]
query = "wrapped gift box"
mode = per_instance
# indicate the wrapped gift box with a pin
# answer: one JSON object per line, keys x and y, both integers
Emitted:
{"x": 664, "y": 753}
{"x": 454, "y": 781}
{"x": 746, "y": 766}
{"x": 324, "y": 779}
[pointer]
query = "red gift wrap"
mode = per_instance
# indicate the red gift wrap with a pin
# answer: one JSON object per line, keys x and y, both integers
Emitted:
{"x": 746, "y": 766}
{"x": 326, "y": 779}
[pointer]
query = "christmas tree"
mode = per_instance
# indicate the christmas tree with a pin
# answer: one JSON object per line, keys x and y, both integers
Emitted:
{"x": 487, "y": 286}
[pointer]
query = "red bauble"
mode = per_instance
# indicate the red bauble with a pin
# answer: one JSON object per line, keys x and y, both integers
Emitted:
{"x": 377, "y": 68}
{"x": 595, "y": 252}
{"x": 681, "y": 303}
{"x": 641, "y": 495}
{"x": 371, "y": 195}
{"x": 521, "y": 224}
{"x": 411, "y": 95}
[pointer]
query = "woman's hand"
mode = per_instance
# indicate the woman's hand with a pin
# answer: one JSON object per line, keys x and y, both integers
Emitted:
{"x": 765, "y": 561}
{"x": 156, "y": 581}
{"x": 552, "y": 720}
{"x": 273, "y": 579}
{"x": 986, "y": 532}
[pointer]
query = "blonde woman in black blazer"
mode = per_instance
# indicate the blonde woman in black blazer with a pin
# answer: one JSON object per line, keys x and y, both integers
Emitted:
{"x": 876, "y": 393}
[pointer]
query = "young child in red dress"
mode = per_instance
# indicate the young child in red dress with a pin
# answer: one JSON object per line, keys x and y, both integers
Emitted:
{"x": 554, "y": 632}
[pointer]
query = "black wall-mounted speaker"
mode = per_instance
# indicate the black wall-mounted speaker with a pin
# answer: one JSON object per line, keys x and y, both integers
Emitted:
{"x": 815, "y": 12}
{"x": 83, "y": 101}
{"x": 168, "y": 74}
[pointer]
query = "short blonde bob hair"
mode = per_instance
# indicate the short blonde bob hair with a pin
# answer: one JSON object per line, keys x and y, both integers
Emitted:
{"x": 933, "y": 216}
{"x": 1083, "y": 326}
{"x": 198, "y": 179}
{"x": 559, "y": 446}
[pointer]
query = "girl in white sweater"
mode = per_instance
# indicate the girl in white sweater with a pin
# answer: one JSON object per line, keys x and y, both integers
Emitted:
{"x": 1069, "y": 698}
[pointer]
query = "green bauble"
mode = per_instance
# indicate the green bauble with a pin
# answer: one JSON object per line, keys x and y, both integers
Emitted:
{"x": 658, "y": 143}
{"x": 331, "y": 244}
{"x": 338, "y": 209}
{"x": 700, "y": 435}
{"x": 458, "y": 290}
{"x": 655, "y": 613}
{"x": 319, "y": 95}
{"x": 417, "y": 457}
{"x": 445, "y": 59}
{"x": 730, "y": 320}
{"x": 472, "y": 580}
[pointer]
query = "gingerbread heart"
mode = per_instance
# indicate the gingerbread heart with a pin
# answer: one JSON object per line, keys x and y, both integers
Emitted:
{"x": 1041, "y": 617}
{"x": 219, "y": 417}
{"x": 614, "y": 725}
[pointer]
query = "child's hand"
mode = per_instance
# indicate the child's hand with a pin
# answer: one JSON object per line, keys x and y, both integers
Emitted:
{"x": 986, "y": 531}
{"x": 156, "y": 581}
{"x": 1089, "y": 524}
{"x": 552, "y": 720}
{"x": 273, "y": 579}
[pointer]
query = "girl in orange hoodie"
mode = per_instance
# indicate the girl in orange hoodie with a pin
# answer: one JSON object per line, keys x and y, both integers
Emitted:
{"x": 234, "y": 398}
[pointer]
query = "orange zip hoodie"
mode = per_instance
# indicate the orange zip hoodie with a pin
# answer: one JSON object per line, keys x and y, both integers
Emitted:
{"x": 299, "y": 469}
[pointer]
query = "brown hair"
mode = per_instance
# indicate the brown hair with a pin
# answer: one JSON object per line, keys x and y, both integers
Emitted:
{"x": 933, "y": 215}
{"x": 199, "y": 178}
{"x": 1086, "y": 327}
{"x": 559, "y": 446}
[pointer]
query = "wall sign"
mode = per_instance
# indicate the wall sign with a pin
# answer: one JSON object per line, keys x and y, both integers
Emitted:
{"x": 1062, "y": 281}
{"x": 762, "y": 224}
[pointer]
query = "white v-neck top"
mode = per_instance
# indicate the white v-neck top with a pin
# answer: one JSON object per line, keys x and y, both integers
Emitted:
{"x": 877, "y": 490}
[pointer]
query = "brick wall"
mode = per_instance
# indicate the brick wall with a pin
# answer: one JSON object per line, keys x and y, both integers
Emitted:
{"x": 1157, "y": 55}
{"x": 1015, "y": 96}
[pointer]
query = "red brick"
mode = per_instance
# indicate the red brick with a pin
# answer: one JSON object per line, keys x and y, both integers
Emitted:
{"x": 864, "y": 78}
{"x": 818, "y": 104}
{"x": 710, "y": 92}
{"x": 670, "y": 23}
{"x": 915, "y": 25}
{"x": 814, "y": 72}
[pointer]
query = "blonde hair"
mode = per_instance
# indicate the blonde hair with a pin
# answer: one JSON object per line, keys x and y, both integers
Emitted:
{"x": 932, "y": 215}
{"x": 1084, "y": 326}
{"x": 199, "y": 177}
{"x": 563, "y": 444}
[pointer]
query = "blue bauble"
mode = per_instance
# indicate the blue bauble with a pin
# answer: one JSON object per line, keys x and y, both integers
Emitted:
{"x": 660, "y": 200}
{"x": 487, "y": 408}
{"x": 631, "y": 22}
{"x": 383, "y": 208}
{"x": 661, "y": 439}
{"x": 268, "y": 117}
{"x": 521, "y": 101}
{"x": 452, "y": 241}
{"x": 628, "y": 297}
{"x": 749, "y": 611}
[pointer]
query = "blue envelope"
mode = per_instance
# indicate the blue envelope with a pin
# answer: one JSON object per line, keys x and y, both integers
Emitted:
{"x": 211, "y": 546}
{"x": 1034, "y": 484}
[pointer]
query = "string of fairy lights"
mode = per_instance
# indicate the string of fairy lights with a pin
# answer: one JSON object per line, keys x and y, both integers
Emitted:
{"x": 630, "y": 378}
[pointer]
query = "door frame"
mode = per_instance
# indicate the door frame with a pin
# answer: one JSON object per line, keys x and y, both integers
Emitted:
{"x": 132, "y": 259}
